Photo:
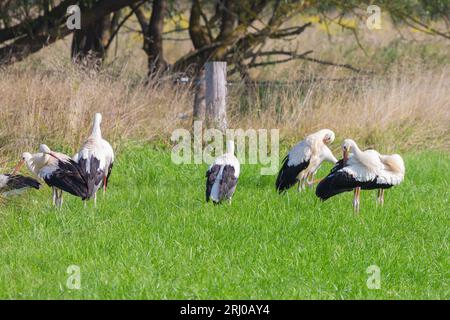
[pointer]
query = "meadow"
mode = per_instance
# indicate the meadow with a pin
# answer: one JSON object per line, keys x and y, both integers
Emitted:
{"x": 153, "y": 236}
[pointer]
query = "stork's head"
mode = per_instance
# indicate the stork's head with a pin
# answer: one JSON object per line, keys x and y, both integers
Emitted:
{"x": 26, "y": 158}
{"x": 328, "y": 136}
{"x": 230, "y": 146}
{"x": 347, "y": 146}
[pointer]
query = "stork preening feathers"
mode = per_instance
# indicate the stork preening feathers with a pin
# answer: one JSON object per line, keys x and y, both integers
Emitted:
{"x": 97, "y": 158}
{"x": 58, "y": 171}
{"x": 366, "y": 170}
{"x": 81, "y": 175}
{"x": 304, "y": 159}
{"x": 222, "y": 176}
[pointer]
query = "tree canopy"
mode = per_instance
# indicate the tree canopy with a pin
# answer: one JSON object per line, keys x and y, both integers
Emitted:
{"x": 229, "y": 30}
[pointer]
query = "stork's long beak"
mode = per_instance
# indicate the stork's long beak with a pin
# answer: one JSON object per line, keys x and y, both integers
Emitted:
{"x": 18, "y": 167}
{"x": 345, "y": 156}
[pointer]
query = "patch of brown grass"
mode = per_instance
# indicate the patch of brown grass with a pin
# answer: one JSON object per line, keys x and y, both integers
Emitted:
{"x": 402, "y": 111}
{"x": 58, "y": 109}
{"x": 399, "y": 112}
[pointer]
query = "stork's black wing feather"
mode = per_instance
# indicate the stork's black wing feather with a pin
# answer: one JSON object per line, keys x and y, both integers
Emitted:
{"x": 20, "y": 182}
{"x": 227, "y": 183}
{"x": 374, "y": 184}
{"x": 109, "y": 173}
{"x": 339, "y": 181}
{"x": 287, "y": 177}
{"x": 211, "y": 176}
{"x": 336, "y": 182}
{"x": 69, "y": 177}
{"x": 95, "y": 175}
{"x": 338, "y": 166}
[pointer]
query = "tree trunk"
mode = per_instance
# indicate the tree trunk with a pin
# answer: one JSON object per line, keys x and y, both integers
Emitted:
{"x": 88, "y": 44}
{"x": 228, "y": 20}
{"x": 153, "y": 38}
{"x": 199, "y": 98}
{"x": 23, "y": 43}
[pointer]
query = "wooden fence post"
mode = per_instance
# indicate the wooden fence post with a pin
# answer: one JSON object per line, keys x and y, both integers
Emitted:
{"x": 216, "y": 92}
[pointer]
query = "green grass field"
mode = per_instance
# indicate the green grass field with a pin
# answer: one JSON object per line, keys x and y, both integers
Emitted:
{"x": 154, "y": 237}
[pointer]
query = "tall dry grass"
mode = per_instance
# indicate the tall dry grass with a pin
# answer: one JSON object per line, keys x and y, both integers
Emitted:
{"x": 403, "y": 111}
{"x": 58, "y": 108}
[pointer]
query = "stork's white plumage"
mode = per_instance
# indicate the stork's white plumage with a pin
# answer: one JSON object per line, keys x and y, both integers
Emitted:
{"x": 96, "y": 157}
{"x": 222, "y": 176}
{"x": 304, "y": 159}
{"x": 366, "y": 170}
{"x": 59, "y": 171}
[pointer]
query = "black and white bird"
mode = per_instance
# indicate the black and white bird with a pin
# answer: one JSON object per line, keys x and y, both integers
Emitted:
{"x": 366, "y": 170}
{"x": 304, "y": 159}
{"x": 97, "y": 158}
{"x": 15, "y": 184}
{"x": 222, "y": 176}
{"x": 58, "y": 171}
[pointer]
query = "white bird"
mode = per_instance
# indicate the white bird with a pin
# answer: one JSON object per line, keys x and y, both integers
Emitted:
{"x": 13, "y": 183}
{"x": 59, "y": 171}
{"x": 97, "y": 158}
{"x": 365, "y": 170}
{"x": 304, "y": 159}
{"x": 222, "y": 176}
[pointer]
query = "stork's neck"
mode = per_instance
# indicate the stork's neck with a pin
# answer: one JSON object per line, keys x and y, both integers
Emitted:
{"x": 230, "y": 148}
{"x": 96, "y": 131}
{"x": 356, "y": 150}
{"x": 37, "y": 162}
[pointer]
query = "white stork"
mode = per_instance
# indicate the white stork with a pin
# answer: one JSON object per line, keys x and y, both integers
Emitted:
{"x": 59, "y": 171}
{"x": 222, "y": 176}
{"x": 304, "y": 159}
{"x": 13, "y": 183}
{"x": 365, "y": 170}
{"x": 96, "y": 157}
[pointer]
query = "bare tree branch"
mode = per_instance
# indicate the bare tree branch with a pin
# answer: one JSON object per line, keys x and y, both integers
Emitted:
{"x": 28, "y": 44}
